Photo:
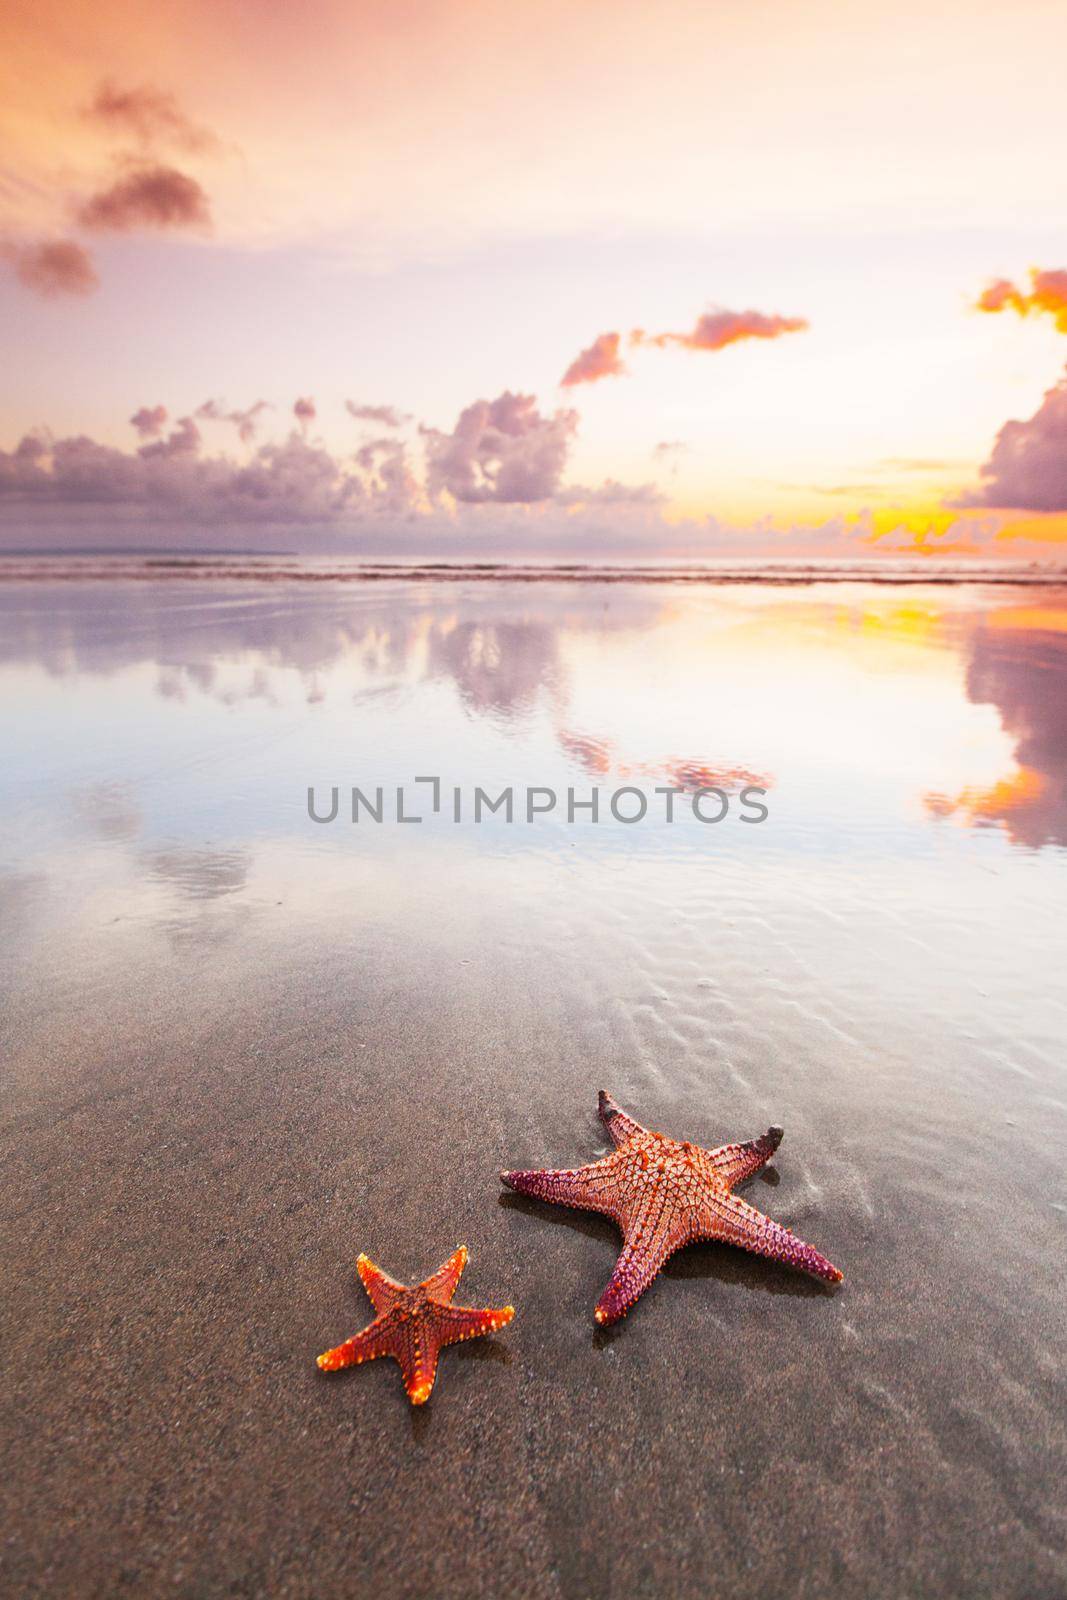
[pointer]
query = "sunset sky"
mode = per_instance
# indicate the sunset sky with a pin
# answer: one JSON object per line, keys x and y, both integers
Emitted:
{"x": 798, "y": 265}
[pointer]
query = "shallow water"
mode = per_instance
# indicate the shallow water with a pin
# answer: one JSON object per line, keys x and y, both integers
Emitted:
{"x": 243, "y": 1046}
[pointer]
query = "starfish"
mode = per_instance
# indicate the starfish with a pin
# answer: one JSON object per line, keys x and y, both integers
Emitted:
{"x": 663, "y": 1194}
{"x": 414, "y": 1324}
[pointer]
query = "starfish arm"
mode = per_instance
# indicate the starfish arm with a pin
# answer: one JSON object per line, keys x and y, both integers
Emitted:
{"x": 588, "y": 1188}
{"x": 732, "y": 1220}
{"x": 465, "y": 1322}
{"x": 734, "y": 1163}
{"x": 441, "y": 1285}
{"x": 418, "y": 1364}
{"x": 620, "y": 1126}
{"x": 649, "y": 1239}
{"x": 383, "y": 1290}
{"x": 372, "y": 1342}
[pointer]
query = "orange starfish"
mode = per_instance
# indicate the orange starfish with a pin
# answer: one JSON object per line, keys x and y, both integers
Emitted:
{"x": 413, "y": 1325}
{"x": 664, "y": 1194}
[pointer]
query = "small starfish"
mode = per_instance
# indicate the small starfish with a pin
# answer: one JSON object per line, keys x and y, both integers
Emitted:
{"x": 664, "y": 1194}
{"x": 413, "y": 1325}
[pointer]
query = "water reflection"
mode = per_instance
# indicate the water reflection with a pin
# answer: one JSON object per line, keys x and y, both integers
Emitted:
{"x": 1018, "y": 665}
{"x": 497, "y": 667}
{"x": 107, "y": 810}
{"x": 949, "y": 706}
{"x": 200, "y": 874}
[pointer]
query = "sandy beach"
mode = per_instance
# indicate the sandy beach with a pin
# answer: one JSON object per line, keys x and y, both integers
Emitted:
{"x": 240, "y": 1048}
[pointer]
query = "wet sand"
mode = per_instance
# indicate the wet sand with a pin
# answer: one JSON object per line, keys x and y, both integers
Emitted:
{"x": 221, "y": 1086}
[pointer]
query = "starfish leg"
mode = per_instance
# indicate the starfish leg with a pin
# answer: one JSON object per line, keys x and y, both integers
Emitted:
{"x": 736, "y": 1162}
{"x": 736, "y": 1222}
{"x": 620, "y": 1126}
{"x": 464, "y": 1322}
{"x": 374, "y": 1341}
{"x": 383, "y": 1290}
{"x": 442, "y": 1284}
{"x": 649, "y": 1239}
{"x": 419, "y": 1368}
{"x": 587, "y": 1188}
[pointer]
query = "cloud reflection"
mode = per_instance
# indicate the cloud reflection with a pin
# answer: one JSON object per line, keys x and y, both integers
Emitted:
{"x": 1018, "y": 665}
{"x": 697, "y": 688}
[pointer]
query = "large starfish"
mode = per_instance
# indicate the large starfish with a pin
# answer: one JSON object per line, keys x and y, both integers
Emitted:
{"x": 663, "y": 1194}
{"x": 413, "y": 1325}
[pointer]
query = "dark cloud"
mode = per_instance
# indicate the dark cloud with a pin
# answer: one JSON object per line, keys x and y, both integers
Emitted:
{"x": 500, "y": 450}
{"x": 52, "y": 267}
{"x": 151, "y": 116}
{"x": 384, "y": 416}
{"x": 1027, "y": 470}
{"x": 149, "y": 421}
{"x": 715, "y": 330}
{"x": 599, "y": 360}
{"x": 149, "y": 196}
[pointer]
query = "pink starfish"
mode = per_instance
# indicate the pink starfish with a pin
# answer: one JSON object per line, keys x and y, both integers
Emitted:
{"x": 663, "y": 1194}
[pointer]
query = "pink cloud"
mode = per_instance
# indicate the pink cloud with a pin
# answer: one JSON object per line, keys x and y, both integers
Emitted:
{"x": 170, "y": 479}
{"x": 715, "y": 330}
{"x": 1047, "y": 295}
{"x": 183, "y": 440}
{"x": 151, "y": 116}
{"x": 611, "y": 493}
{"x": 388, "y": 474}
{"x": 598, "y": 360}
{"x": 500, "y": 450}
{"x": 53, "y": 267}
{"x": 147, "y": 197}
{"x": 385, "y": 416}
{"x": 304, "y": 411}
{"x": 1027, "y": 470}
{"x": 246, "y": 422}
{"x": 149, "y": 421}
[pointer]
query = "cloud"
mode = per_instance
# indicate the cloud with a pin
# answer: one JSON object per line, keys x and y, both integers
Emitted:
{"x": 304, "y": 411}
{"x": 385, "y": 416}
{"x": 183, "y": 440}
{"x": 388, "y": 474}
{"x": 600, "y": 360}
{"x": 52, "y": 267}
{"x": 611, "y": 493}
{"x": 491, "y": 489}
{"x": 171, "y": 480}
{"x": 149, "y": 421}
{"x": 149, "y": 196}
{"x": 246, "y": 422}
{"x": 717, "y": 329}
{"x": 500, "y": 450}
{"x": 713, "y": 331}
{"x": 1027, "y": 470}
{"x": 1047, "y": 295}
{"x": 151, "y": 116}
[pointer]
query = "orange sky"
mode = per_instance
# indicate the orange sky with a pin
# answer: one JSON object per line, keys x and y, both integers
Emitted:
{"x": 427, "y": 206}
